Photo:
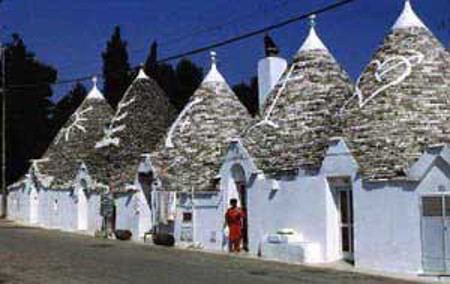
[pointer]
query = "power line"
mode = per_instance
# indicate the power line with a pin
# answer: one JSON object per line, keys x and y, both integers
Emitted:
{"x": 177, "y": 39}
{"x": 204, "y": 48}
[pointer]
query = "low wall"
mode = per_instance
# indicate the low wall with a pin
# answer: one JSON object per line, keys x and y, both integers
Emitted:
{"x": 298, "y": 205}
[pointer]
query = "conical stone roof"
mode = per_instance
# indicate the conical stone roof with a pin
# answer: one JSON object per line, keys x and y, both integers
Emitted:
{"x": 401, "y": 104}
{"x": 142, "y": 118}
{"x": 300, "y": 114}
{"x": 191, "y": 154}
{"x": 75, "y": 142}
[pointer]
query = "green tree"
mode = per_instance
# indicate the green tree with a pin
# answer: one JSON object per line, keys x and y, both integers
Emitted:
{"x": 178, "y": 83}
{"x": 189, "y": 77}
{"x": 67, "y": 106}
{"x": 248, "y": 95}
{"x": 116, "y": 69}
{"x": 151, "y": 64}
{"x": 28, "y": 107}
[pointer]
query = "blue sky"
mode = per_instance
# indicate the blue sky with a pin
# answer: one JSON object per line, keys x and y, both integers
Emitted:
{"x": 71, "y": 35}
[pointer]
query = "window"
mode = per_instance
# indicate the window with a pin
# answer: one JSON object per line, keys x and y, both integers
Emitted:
{"x": 432, "y": 206}
{"x": 187, "y": 217}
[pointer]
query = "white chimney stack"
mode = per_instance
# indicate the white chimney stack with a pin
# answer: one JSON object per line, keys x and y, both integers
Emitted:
{"x": 270, "y": 70}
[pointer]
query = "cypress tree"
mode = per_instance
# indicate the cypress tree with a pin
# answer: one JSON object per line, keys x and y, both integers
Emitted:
{"x": 67, "y": 106}
{"x": 150, "y": 66}
{"x": 189, "y": 77}
{"x": 248, "y": 95}
{"x": 28, "y": 107}
{"x": 115, "y": 69}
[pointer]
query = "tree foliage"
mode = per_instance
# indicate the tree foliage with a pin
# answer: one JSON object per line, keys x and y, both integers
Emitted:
{"x": 178, "y": 83}
{"x": 116, "y": 69}
{"x": 28, "y": 106}
{"x": 67, "y": 106}
{"x": 248, "y": 95}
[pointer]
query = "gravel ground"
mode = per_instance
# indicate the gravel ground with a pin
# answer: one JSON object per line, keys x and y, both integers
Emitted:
{"x": 32, "y": 255}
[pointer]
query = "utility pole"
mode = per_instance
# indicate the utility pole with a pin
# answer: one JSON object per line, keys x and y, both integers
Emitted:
{"x": 4, "y": 189}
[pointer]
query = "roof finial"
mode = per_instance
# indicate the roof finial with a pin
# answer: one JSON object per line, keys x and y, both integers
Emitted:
{"x": 95, "y": 92}
{"x": 213, "y": 58}
{"x": 312, "y": 20}
{"x": 141, "y": 73}
{"x": 408, "y": 18}
{"x": 213, "y": 75}
{"x": 312, "y": 42}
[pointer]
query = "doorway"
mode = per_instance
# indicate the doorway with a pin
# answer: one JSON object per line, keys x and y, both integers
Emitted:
{"x": 345, "y": 195}
{"x": 240, "y": 181}
{"x": 82, "y": 209}
{"x": 435, "y": 223}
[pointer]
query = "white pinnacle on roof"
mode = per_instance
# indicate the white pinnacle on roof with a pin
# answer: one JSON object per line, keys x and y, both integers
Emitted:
{"x": 213, "y": 75}
{"x": 408, "y": 18}
{"x": 312, "y": 42}
{"x": 95, "y": 92}
{"x": 141, "y": 74}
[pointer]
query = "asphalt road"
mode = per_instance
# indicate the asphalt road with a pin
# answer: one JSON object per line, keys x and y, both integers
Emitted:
{"x": 31, "y": 255}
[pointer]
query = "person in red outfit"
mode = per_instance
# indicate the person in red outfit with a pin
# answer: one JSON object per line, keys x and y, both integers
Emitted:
{"x": 234, "y": 219}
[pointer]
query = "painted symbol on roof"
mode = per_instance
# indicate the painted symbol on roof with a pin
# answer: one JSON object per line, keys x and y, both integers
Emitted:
{"x": 76, "y": 124}
{"x": 169, "y": 142}
{"x": 401, "y": 65}
{"x": 109, "y": 138}
{"x": 266, "y": 120}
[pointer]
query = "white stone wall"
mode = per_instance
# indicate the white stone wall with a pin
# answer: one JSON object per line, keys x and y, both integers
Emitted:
{"x": 55, "y": 210}
{"x": 305, "y": 204}
{"x": 95, "y": 219}
{"x": 207, "y": 221}
{"x": 387, "y": 222}
{"x": 387, "y": 229}
{"x": 300, "y": 205}
{"x": 18, "y": 204}
{"x": 133, "y": 213}
{"x": 208, "y": 225}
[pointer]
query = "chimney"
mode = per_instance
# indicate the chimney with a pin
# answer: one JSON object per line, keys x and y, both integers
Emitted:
{"x": 270, "y": 70}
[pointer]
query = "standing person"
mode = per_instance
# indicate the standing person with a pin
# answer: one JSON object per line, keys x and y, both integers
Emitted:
{"x": 234, "y": 219}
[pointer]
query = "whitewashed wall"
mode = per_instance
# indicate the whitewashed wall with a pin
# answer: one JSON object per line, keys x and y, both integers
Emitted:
{"x": 208, "y": 222}
{"x": 305, "y": 204}
{"x": 56, "y": 209}
{"x": 299, "y": 205}
{"x": 94, "y": 218}
{"x": 133, "y": 213}
{"x": 387, "y": 222}
{"x": 18, "y": 204}
{"x": 387, "y": 228}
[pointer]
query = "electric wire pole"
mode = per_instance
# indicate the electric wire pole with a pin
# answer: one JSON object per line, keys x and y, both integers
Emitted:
{"x": 4, "y": 189}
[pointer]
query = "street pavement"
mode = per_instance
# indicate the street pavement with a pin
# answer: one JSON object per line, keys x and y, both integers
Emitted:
{"x": 32, "y": 255}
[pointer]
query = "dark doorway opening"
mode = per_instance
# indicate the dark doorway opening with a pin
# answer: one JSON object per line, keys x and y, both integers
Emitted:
{"x": 238, "y": 174}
